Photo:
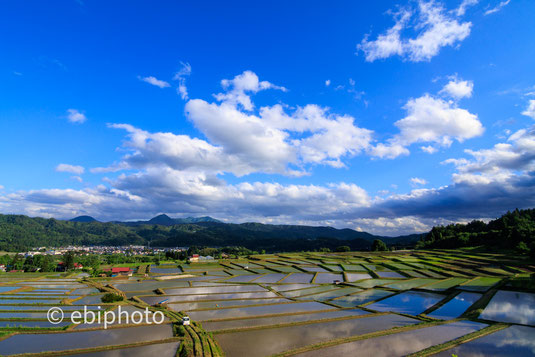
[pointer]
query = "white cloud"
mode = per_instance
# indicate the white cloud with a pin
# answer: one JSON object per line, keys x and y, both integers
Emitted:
{"x": 1, "y": 187}
{"x": 461, "y": 10}
{"x": 530, "y": 110}
{"x": 77, "y": 178}
{"x": 429, "y": 120}
{"x": 499, "y": 163}
{"x": 388, "y": 151}
{"x": 184, "y": 71}
{"x": 242, "y": 142}
{"x": 236, "y": 89}
{"x": 435, "y": 29}
{"x": 73, "y": 169}
{"x": 416, "y": 181}
{"x": 180, "y": 76}
{"x": 429, "y": 149}
{"x": 435, "y": 120}
{"x": 154, "y": 81}
{"x": 457, "y": 88}
{"x": 76, "y": 116}
{"x": 327, "y": 82}
{"x": 497, "y": 8}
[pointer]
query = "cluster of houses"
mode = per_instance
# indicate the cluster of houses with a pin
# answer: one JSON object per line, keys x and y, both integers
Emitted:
{"x": 100, "y": 249}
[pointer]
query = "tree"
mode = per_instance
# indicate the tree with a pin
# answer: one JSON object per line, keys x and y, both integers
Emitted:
{"x": 47, "y": 263}
{"x": 522, "y": 248}
{"x": 379, "y": 246}
{"x": 68, "y": 260}
{"x": 343, "y": 248}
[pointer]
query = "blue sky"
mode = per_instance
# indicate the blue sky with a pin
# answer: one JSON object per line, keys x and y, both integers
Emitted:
{"x": 388, "y": 117}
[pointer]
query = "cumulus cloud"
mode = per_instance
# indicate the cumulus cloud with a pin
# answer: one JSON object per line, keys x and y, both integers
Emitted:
{"x": 76, "y": 116}
{"x": 154, "y": 81}
{"x": 499, "y": 163}
{"x": 180, "y": 76}
{"x": 242, "y": 141}
{"x": 429, "y": 149}
{"x": 327, "y": 82}
{"x": 497, "y": 8}
{"x": 530, "y": 110}
{"x": 435, "y": 120}
{"x": 236, "y": 89}
{"x": 429, "y": 120}
{"x": 434, "y": 29}
{"x": 73, "y": 169}
{"x": 416, "y": 181}
{"x": 457, "y": 89}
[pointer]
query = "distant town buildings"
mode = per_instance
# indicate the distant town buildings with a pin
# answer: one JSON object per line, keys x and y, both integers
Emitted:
{"x": 101, "y": 249}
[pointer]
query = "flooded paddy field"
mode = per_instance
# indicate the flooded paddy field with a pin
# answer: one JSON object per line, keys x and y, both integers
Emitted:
{"x": 308, "y": 304}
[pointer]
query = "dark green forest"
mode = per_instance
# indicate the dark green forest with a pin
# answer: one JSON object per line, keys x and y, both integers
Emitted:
{"x": 514, "y": 230}
{"x": 20, "y": 233}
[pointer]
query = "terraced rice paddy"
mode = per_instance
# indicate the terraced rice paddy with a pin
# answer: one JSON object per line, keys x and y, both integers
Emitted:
{"x": 310, "y": 304}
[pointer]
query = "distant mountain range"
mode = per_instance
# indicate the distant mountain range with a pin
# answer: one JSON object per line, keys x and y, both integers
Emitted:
{"x": 162, "y": 219}
{"x": 19, "y": 232}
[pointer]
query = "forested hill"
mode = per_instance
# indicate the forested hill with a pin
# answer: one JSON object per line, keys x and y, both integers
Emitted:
{"x": 513, "y": 230}
{"x": 19, "y": 233}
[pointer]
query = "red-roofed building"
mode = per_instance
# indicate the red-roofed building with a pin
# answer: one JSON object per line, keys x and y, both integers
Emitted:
{"x": 120, "y": 271}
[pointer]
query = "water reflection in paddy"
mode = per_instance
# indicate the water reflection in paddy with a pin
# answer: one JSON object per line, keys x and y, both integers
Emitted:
{"x": 265, "y": 321}
{"x": 43, "y": 308}
{"x": 371, "y": 283}
{"x": 512, "y": 341}
{"x": 150, "y": 285}
{"x": 389, "y": 274}
{"x": 324, "y": 278}
{"x": 400, "y": 344}
{"x": 223, "y": 303}
{"x": 298, "y": 278}
{"x": 511, "y": 306}
{"x": 455, "y": 307}
{"x": 213, "y": 290}
{"x": 29, "y": 301}
{"x": 270, "y": 278}
{"x": 275, "y": 340}
{"x": 288, "y": 287}
{"x": 259, "y": 310}
{"x": 356, "y": 276}
{"x": 313, "y": 290}
{"x": 409, "y": 284}
{"x": 412, "y": 302}
{"x": 160, "y": 350}
{"x": 242, "y": 278}
{"x": 327, "y": 295}
{"x": 4, "y": 289}
{"x": 151, "y": 300}
{"x": 156, "y": 270}
{"x": 35, "y": 343}
{"x": 361, "y": 298}
{"x": 89, "y": 300}
{"x": 26, "y": 323}
{"x": 314, "y": 269}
